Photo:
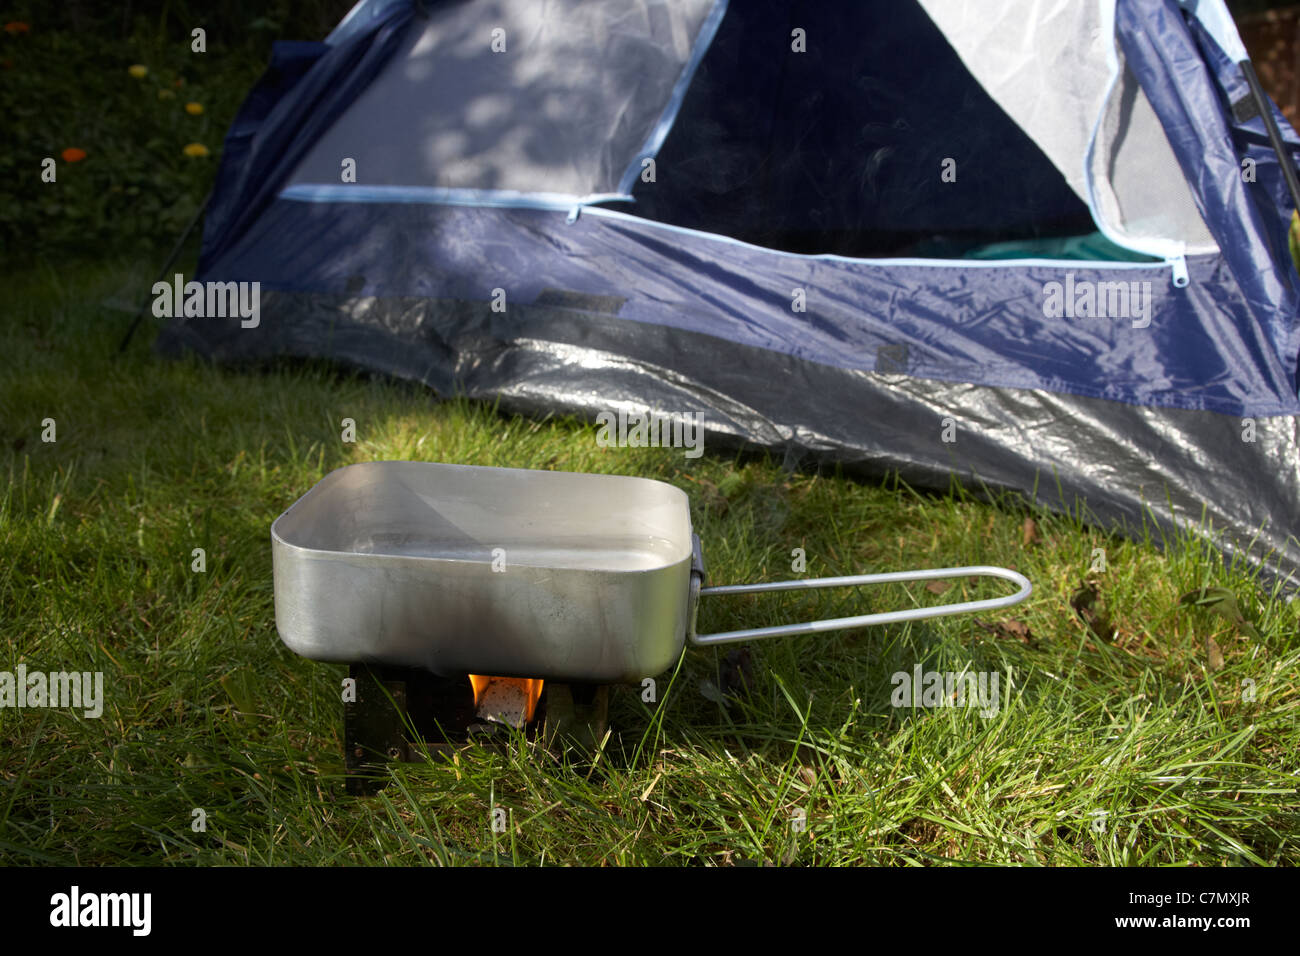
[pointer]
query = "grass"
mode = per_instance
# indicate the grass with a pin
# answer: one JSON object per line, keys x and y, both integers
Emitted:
{"x": 1131, "y": 749}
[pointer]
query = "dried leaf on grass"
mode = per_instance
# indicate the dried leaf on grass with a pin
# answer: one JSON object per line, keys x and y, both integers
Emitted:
{"x": 1213, "y": 653}
{"x": 1010, "y": 629}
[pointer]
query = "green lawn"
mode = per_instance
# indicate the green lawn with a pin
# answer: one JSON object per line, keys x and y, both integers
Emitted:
{"x": 1131, "y": 749}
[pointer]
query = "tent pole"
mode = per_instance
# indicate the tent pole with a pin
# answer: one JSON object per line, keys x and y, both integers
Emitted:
{"x": 1274, "y": 134}
{"x": 176, "y": 251}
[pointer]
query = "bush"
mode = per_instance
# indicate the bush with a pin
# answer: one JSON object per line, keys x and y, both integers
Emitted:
{"x": 132, "y": 163}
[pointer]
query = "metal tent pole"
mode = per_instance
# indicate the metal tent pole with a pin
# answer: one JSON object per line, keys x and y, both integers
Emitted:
{"x": 176, "y": 251}
{"x": 1265, "y": 108}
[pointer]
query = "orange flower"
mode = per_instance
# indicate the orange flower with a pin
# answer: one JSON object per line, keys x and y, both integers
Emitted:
{"x": 138, "y": 70}
{"x": 16, "y": 26}
{"x": 73, "y": 155}
{"x": 194, "y": 109}
{"x": 195, "y": 150}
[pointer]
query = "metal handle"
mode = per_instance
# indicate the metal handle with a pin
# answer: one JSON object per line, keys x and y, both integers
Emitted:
{"x": 863, "y": 620}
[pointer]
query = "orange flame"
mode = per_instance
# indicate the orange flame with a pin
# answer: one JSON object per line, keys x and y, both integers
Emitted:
{"x": 530, "y": 687}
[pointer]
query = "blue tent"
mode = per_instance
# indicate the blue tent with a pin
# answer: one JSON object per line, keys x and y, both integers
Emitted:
{"x": 1039, "y": 246}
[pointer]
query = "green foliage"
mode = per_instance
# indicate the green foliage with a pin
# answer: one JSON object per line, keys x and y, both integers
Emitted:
{"x": 66, "y": 85}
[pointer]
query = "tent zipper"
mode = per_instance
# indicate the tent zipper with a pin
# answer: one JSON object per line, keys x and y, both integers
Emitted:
{"x": 1178, "y": 264}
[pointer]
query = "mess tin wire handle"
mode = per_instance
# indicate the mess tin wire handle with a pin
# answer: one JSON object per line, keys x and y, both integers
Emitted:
{"x": 862, "y": 620}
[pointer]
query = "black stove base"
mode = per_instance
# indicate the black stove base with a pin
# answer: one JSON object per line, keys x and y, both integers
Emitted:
{"x": 400, "y": 712}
